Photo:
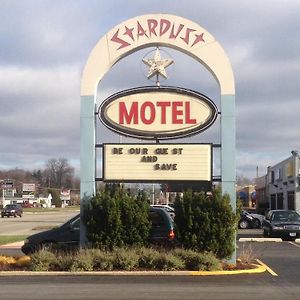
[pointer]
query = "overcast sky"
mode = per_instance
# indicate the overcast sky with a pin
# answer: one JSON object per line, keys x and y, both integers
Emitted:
{"x": 44, "y": 45}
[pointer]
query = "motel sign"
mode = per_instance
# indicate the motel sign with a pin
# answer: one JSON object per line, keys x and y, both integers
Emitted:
{"x": 157, "y": 112}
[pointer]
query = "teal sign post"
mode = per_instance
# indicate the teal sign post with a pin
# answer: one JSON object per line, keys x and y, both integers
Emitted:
{"x": 166, "y": 31}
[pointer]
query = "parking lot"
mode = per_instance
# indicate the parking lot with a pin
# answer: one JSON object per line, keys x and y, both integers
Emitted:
{"x": 34, "y": 222}
{"x": 282, "y": 257}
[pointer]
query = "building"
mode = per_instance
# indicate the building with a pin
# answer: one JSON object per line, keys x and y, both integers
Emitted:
{"x": 247, "y": 195}
{"x": 262, "y": 197}
{"x": 279, "y": 188}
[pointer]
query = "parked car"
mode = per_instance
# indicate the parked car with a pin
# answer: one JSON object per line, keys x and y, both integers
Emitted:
{"x": 246, "y": 221}
{"x": 162, "y": 230}
{"x": 68, "y": 234}
{"x": 12, "y": 210}
{"x": 257, "y": 219}
{"x": 27, "y": 205}
{"x": 284, "y": 224}
{"x": 166, "y": 207}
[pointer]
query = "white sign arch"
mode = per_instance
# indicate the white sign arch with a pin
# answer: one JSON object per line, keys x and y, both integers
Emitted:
{"x": 157, "y": 30}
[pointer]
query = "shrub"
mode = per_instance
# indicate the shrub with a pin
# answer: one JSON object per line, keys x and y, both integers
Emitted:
{"x": 169, "y": 262}
{"x": 64, "y": 262}
{"x": 206, "y": 224}
{"x": 82, "y": 261}
{"x": 102, "y": 260}
{"x": 103, "y": 221}
{"x": 7, "y": 260}
{"x": 55, "y": 197}
{"x": 247, "y": 255}
{"x": 148, "y": 258}
{"x": 135, "y": 219}
{"x": 113, "y": 218}
{"x": 126, "y": 259}
{"x": 23, "y": 261}
{"x": 42, "y": 261}
{"x": 195, "y": 261}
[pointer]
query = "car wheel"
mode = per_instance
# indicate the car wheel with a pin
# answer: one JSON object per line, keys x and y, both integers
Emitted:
{"x": 15, "y": 215}
{"x": 243, "y": 224}
{"x": 256, "y": 223}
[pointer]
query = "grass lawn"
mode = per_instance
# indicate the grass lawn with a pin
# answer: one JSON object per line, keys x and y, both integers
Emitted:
{"x": 7, "y": 239}
{"x": 40, "y": 209}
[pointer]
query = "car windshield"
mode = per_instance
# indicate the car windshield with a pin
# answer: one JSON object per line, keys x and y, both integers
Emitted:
{"x": 285, "y": 216}
{"x": 10, "y": 206}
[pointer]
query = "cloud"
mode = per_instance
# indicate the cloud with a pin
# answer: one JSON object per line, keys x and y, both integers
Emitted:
{"x": 41, "y": 112}
{"x": 45, "y": 45}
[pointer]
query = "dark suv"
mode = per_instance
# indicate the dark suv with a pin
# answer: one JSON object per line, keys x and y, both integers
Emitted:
{"x": 12, "y": 210}
{"x": 68, "y": 234}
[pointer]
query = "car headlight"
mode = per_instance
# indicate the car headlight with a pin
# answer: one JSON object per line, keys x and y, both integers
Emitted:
{"x": 278, "y": 228}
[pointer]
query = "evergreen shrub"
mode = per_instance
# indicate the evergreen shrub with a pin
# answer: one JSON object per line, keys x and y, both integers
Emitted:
{"x": 114, "y": 218}
{"x": 206, "y": 223}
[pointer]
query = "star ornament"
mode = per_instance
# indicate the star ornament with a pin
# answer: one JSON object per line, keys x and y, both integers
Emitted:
{"x": 157, "y": 65}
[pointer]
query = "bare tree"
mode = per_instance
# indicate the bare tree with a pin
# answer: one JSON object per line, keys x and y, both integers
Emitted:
{"x": 58, "y": 173}
{"x": 243, "y": 180}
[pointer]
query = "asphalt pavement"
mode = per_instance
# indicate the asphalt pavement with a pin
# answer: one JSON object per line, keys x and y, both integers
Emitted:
{"x": 280, "y": 281}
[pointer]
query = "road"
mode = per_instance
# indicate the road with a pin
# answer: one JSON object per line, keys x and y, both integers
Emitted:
{"x": 34, "y": 222}
{"x": 143, "y": 287}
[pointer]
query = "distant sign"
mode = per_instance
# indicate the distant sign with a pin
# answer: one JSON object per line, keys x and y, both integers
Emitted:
{"x": 65, "y": 194}
{"x": 163, "y": 113}
{"x": 7, "y": 184}
{"x": 28, "y": 187}
{"x": 28, "y": 190}
{"x": 157, "y": 162}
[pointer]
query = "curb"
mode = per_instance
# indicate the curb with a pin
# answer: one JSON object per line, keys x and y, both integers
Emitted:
{"x": 261, "y": 239}
{"x": 258, "y": 269}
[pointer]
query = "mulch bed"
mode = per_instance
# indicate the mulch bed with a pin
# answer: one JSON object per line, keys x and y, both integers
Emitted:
{"x": 238, "y": 266}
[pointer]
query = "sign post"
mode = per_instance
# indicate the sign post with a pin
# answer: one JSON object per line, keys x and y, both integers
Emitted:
{"x": 160, "y": 30}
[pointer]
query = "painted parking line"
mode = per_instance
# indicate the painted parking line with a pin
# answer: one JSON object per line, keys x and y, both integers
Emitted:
{"x": 293, "y": 243}
{"x": 267, "y": 268}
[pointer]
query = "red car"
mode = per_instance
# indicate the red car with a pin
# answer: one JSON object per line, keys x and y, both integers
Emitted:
{"x": 27, "y": 205}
